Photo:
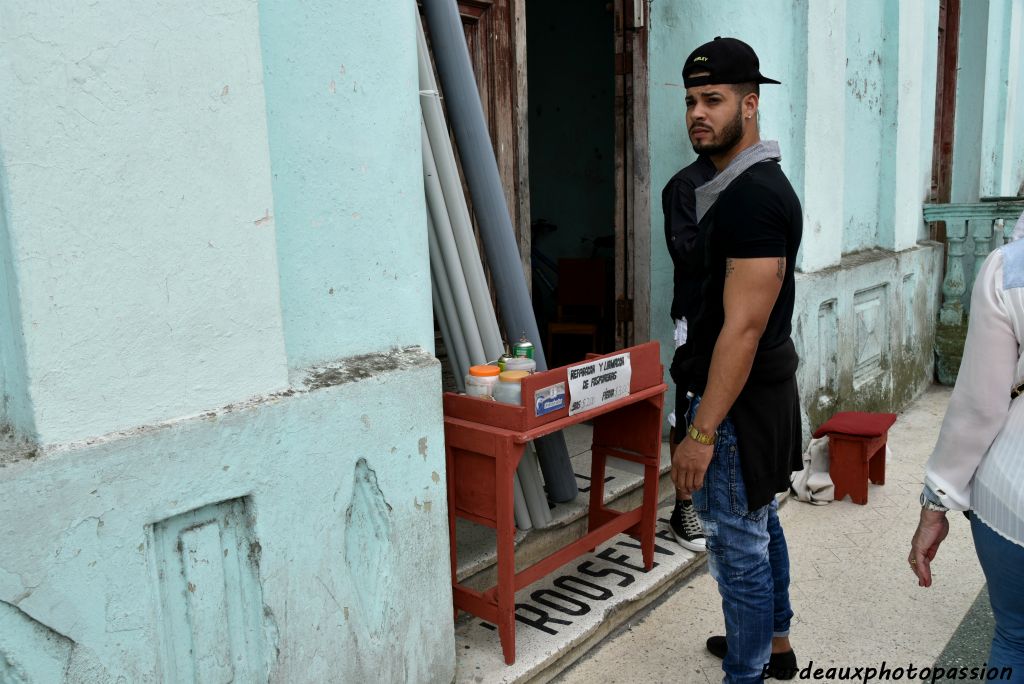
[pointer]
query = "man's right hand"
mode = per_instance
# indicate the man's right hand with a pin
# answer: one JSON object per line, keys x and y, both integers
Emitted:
{"x": 689, "y": 464}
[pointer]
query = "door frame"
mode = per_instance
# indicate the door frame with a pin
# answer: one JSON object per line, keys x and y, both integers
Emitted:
{"x": 632, "y": 174}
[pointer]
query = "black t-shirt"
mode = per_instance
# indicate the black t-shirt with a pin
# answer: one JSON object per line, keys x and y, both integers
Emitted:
{"x": 758, "y": 215}
{"x": 679, "y": 205}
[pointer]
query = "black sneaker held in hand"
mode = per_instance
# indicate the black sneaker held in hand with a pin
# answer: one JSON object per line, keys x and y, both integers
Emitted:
{"x": 686, "y": 527}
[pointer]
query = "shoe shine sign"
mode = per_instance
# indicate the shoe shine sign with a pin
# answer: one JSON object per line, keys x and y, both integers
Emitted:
{"x": 599, "y": 382}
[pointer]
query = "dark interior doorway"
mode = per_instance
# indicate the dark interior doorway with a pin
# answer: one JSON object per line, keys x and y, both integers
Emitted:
{"x": 571, "y": 79}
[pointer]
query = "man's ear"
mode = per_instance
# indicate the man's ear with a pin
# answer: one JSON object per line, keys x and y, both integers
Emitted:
{"x": 750, "y": 104}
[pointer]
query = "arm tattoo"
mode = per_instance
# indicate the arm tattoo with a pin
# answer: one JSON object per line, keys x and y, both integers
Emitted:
{"x": 781, "y": 273}
{"x": 729, "y": 267}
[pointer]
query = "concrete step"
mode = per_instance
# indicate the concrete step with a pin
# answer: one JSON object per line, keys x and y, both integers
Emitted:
{"x": 562, "y": 616}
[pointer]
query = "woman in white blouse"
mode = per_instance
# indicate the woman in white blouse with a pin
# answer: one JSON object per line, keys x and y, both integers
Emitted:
{"x": 978, "y": 462}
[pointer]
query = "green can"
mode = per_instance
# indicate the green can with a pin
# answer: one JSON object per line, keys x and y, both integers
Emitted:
{"x": 523, "y": 348}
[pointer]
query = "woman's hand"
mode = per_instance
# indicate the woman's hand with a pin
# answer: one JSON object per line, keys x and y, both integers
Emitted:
{"x": 932, "y": 528}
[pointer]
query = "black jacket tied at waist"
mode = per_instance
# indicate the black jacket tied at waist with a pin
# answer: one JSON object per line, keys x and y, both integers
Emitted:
{"x": 766, "y": 415}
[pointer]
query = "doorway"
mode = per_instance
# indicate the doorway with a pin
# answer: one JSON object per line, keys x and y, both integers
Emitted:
{"x": 563, "y": 87}
{"x": 580, "y": 152}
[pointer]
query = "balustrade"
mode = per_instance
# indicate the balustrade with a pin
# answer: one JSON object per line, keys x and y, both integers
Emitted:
{"x": 993, "y": 223}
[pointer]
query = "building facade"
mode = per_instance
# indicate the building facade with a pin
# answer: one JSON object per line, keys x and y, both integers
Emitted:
{"x": 223, "y": 456}
{"x": 221, "y": 443}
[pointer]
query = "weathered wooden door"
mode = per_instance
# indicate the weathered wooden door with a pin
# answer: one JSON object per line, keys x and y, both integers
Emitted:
{"x": 945, "y": 108}
{"x": 496, "y": 37}
{"x": 632, "y": 184}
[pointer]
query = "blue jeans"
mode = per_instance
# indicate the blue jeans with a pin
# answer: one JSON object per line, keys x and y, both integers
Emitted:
{"x": 1003, "y": 564}
{"x": 747, "y": 556}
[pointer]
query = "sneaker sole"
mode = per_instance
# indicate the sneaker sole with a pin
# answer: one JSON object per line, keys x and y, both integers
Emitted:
{"x": 697, "y": 547}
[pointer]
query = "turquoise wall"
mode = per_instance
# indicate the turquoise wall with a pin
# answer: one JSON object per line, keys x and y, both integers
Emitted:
{"x": 136, "y": 200}
{"x": 296, "y": 538}
{"x": 870, "y": 125}
{"x": 988, "y": 143}
{"x": 342, "y": 101}
{"x": 216, "y": 347}
{"x": 1013, "y": 158}
{"x": 16, "y": 420}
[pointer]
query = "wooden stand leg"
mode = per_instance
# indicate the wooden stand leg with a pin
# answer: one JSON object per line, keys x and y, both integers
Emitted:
{"x": 649, "y": 517}
{"x": 506, "y": 558}
{"x": 597, "y": 470}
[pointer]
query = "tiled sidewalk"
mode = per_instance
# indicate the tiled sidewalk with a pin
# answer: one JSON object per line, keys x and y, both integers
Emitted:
{"x": 857, "y": 604}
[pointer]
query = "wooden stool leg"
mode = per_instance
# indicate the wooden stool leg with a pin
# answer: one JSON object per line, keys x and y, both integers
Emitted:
{"x": 876, "y": 469}
{"x": 848, "y": 469}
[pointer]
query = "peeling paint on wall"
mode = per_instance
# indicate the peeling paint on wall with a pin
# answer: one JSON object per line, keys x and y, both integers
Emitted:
{"x": 368, "y": 549}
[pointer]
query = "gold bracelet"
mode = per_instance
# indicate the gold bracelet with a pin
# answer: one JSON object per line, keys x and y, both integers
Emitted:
{"x": 701, "y": 437}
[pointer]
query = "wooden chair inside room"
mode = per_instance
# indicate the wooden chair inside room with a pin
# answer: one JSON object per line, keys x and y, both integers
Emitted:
{"x": 580, "y": 300}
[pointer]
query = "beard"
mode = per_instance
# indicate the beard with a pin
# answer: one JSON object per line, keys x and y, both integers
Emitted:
{"x": 731, "y": 134}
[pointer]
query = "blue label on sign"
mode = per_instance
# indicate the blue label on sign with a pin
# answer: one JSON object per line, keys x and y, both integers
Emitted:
{"x": 549, "y": 399}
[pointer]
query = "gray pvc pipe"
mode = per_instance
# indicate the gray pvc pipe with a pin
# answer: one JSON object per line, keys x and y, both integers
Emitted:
{"x": 452, "y": 265}
{"x": 456, "y": 72}
{"x": 457, "y": 345}
{"x": 447, "y": 204}
{"x": 519, "y": 508}
{"x": 446, "y": 334}
{"x": 460, "y": 382}
{"x": 447, "y": 277}
{"x": 533, "y": 489}
{"x": 455, "y": 199}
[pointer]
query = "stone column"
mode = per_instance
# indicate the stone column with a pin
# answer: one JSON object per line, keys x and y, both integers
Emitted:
{"x": 825, "y": 134}
{"x": 914, "y": 122}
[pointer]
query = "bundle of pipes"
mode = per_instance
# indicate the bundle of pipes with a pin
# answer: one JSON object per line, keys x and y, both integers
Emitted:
{"x": 462, "y": 302}
{"x": 481, "y": 167}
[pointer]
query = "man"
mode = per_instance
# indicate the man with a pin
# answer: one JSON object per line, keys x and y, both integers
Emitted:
{"x": 679, "y": 205}
{"x": 743, "y": 427}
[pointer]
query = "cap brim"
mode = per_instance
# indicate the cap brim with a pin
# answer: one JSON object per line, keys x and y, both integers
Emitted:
{"x": 765, "y": 79}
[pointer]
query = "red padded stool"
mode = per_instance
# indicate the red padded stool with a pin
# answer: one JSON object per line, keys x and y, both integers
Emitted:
{"x": 856, "y": 449}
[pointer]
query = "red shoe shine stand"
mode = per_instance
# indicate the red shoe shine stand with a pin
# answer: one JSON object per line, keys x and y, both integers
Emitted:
{"x": 856, "y": 448}
{"x": 484, "y": 441}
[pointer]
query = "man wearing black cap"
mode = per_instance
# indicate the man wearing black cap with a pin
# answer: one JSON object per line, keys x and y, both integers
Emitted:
{"x": 743, "y": 432}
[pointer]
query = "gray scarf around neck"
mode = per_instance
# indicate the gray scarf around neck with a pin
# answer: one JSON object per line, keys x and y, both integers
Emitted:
{"x": 708, "y": 193}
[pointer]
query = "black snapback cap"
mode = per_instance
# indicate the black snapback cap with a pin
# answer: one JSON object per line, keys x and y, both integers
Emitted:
{"x": 726, "y": 60}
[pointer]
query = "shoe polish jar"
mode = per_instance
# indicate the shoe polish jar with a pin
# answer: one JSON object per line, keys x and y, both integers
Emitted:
{"x": 509, "y": 389}
{"x": 521, "y": 363}
{"x": 481, "y": 380}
